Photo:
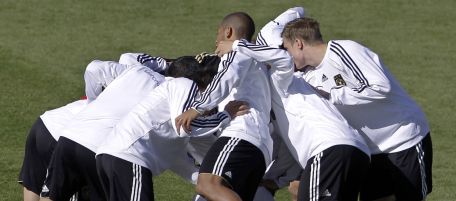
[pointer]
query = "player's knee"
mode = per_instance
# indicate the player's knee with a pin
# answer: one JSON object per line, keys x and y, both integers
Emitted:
{"x": 208, "y": 184}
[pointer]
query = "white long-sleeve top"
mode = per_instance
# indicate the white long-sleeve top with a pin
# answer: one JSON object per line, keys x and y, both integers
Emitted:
{"x": 369, "y": 97}
{"x": 307, "y": 122}
{"x": 147, "y": 136}
{"x": 58, "y": 118}
{"x": 241, "y": 78}
{"x": 157, "y": 64}
{"x": 99, "y": 74}
{"x": 91, "y": 126}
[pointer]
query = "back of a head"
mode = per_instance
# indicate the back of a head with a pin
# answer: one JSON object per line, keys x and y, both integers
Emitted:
{"x": 242, "y": 23}
{"x": 304, "y": 28}
{"x": 184, "y": 66}
{"x": 209, "y": 67}
{"x": 200, "y": 70}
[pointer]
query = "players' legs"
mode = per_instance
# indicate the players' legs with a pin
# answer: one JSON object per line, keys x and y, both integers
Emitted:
{"x": 123, "y": 180}
{"x": 38, "y": 150}
{"x": 405, "y": 175}
{"x": 72, "y": 166}
{"x": 61, "y": 182}
{"x": 293, "y": 190}
{"x": 231, "y": 170}
{"x": 335, "y": 173}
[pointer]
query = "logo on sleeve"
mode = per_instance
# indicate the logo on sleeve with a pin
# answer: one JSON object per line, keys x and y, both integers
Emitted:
{"x": 339, "y": 80}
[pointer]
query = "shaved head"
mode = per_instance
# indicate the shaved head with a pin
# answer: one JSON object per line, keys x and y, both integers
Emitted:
{"x": 242, "y": 24}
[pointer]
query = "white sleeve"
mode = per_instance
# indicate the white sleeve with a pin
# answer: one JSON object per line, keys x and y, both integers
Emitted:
{"x": 232, "y": 69}
{"x": 371, "y": 81}
{"x": 281, "y": 63}
{"x": 98, "y": 75}
{"x": 157, "y": 64}
{"x": 203, "y": 125}
{"x": 210, "y": 124}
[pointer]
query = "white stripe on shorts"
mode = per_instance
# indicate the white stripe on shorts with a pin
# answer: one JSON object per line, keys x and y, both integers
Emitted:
{"x": 315, "y": 178}
{"x": 136, "y": 187}
{"x": 420, "y": 153}
{"x": 223, "y": 155}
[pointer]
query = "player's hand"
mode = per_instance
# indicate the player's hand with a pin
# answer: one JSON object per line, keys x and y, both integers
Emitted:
{"x": 237, "y": 108}
{"x": 223, "y": 47}
{"x": 185, "y": 119}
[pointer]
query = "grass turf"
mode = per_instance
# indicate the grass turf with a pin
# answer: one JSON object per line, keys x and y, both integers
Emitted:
{"x": 45, "y": 46}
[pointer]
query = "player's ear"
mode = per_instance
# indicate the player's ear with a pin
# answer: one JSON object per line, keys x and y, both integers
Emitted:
{"x": 228, "y": 32}
{"x": 299, "y": 43}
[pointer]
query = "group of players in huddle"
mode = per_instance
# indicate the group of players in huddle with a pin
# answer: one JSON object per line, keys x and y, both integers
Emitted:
{"x": 290, "y": 110}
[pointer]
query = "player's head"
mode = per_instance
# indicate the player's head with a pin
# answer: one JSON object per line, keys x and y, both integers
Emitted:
{"x": 200, "y": 71}
{"x": 299, "y": 36}
{"x": 304, "y": 28}
{"x": 209, "y": 66}
{"x": 184, "y": 66}
{"x": 235, "y": 26}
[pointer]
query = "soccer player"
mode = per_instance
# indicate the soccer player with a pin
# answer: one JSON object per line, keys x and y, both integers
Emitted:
{"x": 358, "y": 83}
{"x": 236, "y": 162}
{"x": 73, "y": 161}
{"x": 147, "y": 140}
{"x": 40, "y": 144}
{"x": 333, "y": 155}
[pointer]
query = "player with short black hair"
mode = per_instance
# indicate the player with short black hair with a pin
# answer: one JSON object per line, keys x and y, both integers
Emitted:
{"x": 234, "y": 165}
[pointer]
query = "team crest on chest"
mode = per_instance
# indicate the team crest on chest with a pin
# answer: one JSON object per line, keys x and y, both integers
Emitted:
{"x": 339, "y": 80}
{"x": 324, "y": 78}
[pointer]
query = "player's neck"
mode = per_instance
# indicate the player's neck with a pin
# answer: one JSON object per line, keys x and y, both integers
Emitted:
{"x": 316, "y": 54}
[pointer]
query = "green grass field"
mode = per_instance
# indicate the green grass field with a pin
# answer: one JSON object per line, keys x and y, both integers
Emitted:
{"x": 45, "y": 46}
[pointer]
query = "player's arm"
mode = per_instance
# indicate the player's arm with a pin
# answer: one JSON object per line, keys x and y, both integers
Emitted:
{"x": 279, "y": 61}
{"x": 232, "y": 69}
{"x": 372, "y": 82}
{"x": 157, "y": 64}
{"x": 98, "y": 75}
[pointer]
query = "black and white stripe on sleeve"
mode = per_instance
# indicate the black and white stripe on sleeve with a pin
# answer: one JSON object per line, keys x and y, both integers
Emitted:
{"x": 143, "y": 58}
{"x": 348, "y": 61}
{"x": 215, "y": 81}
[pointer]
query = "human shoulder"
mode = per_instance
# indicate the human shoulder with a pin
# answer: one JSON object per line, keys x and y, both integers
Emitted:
{"x": 179, "y": 83}
{"x": 346, "y": 46}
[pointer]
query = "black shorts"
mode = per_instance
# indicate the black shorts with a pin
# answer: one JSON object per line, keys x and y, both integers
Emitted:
{"x": 239, "y": 162}
{"x": 38, "y": 150}
{"x": 335, "y": 173}
{"x": 123, "y": 180}
{"x": 406, "y": 174}
{"x": 72, "y": 167}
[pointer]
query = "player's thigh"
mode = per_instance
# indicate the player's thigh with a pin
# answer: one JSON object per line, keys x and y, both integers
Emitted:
{"x": 123, "y": 180}
{"x": 38, "y": 150}
{"x": 63, "y": 179}
{"x": 336, "y": 173}
{"x": 238, "y": 162}
{"x": 406, "y": 174}
{"x": 413, "y": 171}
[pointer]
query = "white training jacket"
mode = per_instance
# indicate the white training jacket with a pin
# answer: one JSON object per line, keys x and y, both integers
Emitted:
{"x": 307, "y": 122}
{"x": 99, "y": 74}
{"x": 91, "y": 126}
{"x": 58, "y": 118}
{"x": 147, "y": 136}
{"x": 241, "y": 78}
{"x": 369, "y": 97}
